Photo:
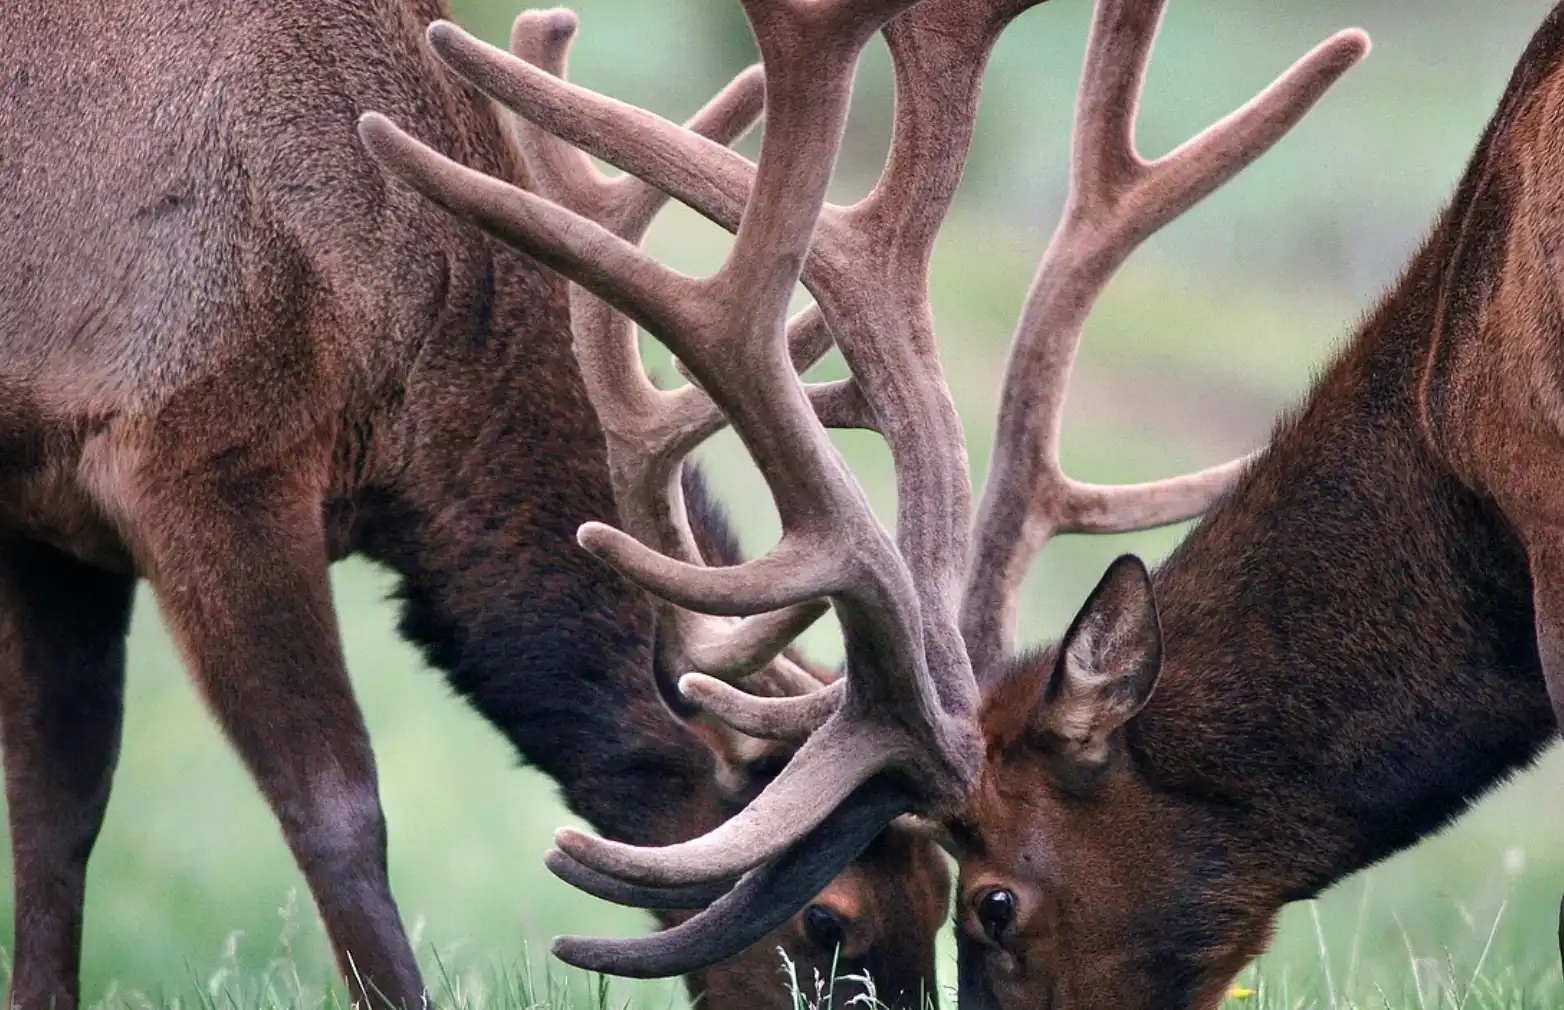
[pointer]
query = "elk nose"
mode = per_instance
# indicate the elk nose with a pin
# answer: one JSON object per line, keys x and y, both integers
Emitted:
{"x": 825, "y": 927}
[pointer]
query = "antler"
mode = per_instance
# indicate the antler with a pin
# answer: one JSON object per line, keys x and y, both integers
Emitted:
{"x": 730, "y": 333}
{"x": 868, "y": 271}
{"x": 906, "y": 705}
{"x": 1116, "y": 202}
{"x": 650, "y": 431}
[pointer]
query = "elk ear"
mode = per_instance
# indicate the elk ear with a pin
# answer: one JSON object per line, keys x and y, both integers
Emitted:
{"x": 744, "y": 766}
{"x": 740, "y": 761}
{"x": 1107, "y": 665}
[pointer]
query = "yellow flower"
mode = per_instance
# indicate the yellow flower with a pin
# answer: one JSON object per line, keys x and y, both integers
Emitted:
{"x": 1239, "y": 992}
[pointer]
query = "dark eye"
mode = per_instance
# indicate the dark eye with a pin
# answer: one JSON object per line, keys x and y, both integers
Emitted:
{"x": 996, "y": 912}
{"x": 824, "y": 928}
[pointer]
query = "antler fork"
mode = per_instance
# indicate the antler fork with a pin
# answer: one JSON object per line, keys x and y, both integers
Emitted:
{"x": 730, "y": 333}
{"x": 1116, "y": 202}
{"x": 902, "y": 736}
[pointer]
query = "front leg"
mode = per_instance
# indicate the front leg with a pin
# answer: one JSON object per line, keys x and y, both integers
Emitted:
{"x": 62, "y": 671}
{"x": 239, "y": 568}
{"x": 1545, "y": 551}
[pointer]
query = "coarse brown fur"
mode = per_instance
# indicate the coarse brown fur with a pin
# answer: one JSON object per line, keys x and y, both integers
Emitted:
{"x": 231, "y": 352}
{"x": 1353, "y": 647}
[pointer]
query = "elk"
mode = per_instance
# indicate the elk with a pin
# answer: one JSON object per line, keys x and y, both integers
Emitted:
{"x": 231, "y": 354}
{"x": 1375, "y": 599}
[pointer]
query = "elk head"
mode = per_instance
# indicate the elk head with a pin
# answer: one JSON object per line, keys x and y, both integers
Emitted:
{"x": 1063, "y": 899}
{"x": 1021, "y": 759}
{"x": 1081, "y": 884}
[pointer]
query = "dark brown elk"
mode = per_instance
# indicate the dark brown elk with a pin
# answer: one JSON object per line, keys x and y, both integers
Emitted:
{"x": 232, "y": 352}
{"x": 1376, "y": 598}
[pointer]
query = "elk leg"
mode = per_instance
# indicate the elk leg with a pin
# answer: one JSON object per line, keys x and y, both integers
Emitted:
{"x": 1546, "y": 556}
{"x": 62, "y": 675}
{"x": 240, "y": 574}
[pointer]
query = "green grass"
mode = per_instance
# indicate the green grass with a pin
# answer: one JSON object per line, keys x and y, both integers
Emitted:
{"x": 193, "y": 899}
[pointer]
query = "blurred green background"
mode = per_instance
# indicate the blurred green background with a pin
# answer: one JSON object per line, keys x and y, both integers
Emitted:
{"x": 1212, "y": 329}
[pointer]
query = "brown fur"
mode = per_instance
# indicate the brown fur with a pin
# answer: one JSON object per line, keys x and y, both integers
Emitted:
{"x": 232, "y": 352}
{"x": 1355, "y": 645}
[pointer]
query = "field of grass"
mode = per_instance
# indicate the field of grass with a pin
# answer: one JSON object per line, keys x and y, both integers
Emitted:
{"x": 1218, "y": 326}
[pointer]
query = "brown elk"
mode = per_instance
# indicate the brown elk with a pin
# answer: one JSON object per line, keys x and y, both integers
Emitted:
{"x": 232, "y": 353}
{"x": 1376, "y": 598}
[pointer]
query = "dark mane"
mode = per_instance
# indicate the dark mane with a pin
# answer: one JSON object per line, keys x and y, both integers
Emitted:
{"x": 709, "y": 520}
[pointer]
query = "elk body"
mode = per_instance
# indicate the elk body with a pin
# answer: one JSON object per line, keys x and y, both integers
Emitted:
{"x": 1364, "y": 635}
{"x": 231, "y": 353}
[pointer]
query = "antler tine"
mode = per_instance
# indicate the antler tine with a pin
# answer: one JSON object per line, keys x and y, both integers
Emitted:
{"x": 797, "y": 801}
{"x": 869, "y": 272}
{"x": 730, "y": 331}
{"x": 600, "y": 885}
{"x": 649, "y": 431}
{"x": 870, "y": 277}
{"x": 707, "y": 176}
{"x": 939, "y": 52}
{"x": 625, "y": 205}
{"x": 1116, "y": 201}
{"x": 646, "y": 428}
{"x": 760, "y": 902}
{"x": 792, "y": 719}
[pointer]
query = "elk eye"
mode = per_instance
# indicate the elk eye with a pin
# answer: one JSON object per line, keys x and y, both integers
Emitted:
{"x": 996, "y": 912}
{"x": 824, "y": 928}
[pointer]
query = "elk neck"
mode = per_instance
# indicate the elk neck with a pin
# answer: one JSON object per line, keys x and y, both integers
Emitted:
{"x": 1349, "y": 653}
{"x": 502, "y": 460}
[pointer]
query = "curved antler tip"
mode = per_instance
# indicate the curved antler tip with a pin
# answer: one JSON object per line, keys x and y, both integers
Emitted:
{"x": 578, "y": 951}
{"x": 567, "y": 838}
{"x": 594, "y": 536}
{"x": 755, "y": 73}
{"x": 590, "y": 850}
{"x": 624, "y": 958}
{"x": 707, "y": 691}
{"x": 557, "y": 862}
{"x": 576, "y": 845}
{"x": 562, "y": 947}
{"x": 554, "y": 27}
{"x": 443, "y": 32}
{"x": 702, "y": 690}
{"x": 386, "y": 143}
{"x": 1359, "y": 36}
{"x": 375, "y": 132}
{"x": 1355, "y": 42}
{"x": 692, "y": 681}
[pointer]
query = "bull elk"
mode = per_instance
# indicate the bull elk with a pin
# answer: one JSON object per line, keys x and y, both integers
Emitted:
{"x": 231, "y": 353}
{"x": 1375, "y": 599}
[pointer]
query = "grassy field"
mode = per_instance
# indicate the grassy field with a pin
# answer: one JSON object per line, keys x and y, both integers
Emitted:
{"x": 1218, "y": 326}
